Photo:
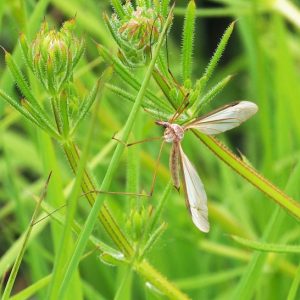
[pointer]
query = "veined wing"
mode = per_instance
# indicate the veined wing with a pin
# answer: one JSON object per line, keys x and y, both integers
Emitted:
{"x": 224, "y": 118}
{"x": 196, "y": 199}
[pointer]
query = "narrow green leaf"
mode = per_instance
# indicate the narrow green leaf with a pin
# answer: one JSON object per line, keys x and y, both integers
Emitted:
{"x": 130, "y": 79}
{"x": 161, "y": 205}
{"x": 122, "y": 45}
{"x": 154, "y": 237}
{"x": 208, "y": 280}
{"x": 208, "y": 97}
{"x": 21, "y": 82}
{"x": 25, "y": 51}
{"x": 149, "y": 3}
{"x": 15, "y": 104}
{"x": 174, "y": 94}
{"x": 295, "y": 286}
{"x": 63, "y": 107}
{"x": 70, "y": 65}
{"x": 165, "y": 7}
{"x": 125, "y": 286}
{"x": 266, "y": 247}
{"x": 78, "y": 55}
{"x": 86, "y": 104}
{"x": 30, "y": 114}
{"x": 116, "y": 4}
{"x": 163, "y": 84}
{"x": 188, "y": 40}
{"x": 248, "y": 281}
{"x": 30, "y": 291}
{"x": 219, "y": 51}
{"x": 141, "y": 3}
{"x": 113, "y": 258}
{"x": 51, "y": 80}
{"x": 49, "y": 128}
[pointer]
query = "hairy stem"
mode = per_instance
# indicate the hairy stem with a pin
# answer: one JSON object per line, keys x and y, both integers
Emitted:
{"x": 250, "y": 174}
{"x": 114, "y": 231}
{"x": 108, "y": 222}
{"x": 99, "y": 209}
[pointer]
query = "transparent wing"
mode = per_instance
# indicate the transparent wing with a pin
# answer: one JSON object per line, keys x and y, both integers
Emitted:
{"x": 225, "y": 118}
{"x": 196, "y": 199}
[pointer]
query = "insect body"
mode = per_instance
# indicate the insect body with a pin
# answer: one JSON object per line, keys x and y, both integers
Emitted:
{"x": 220, "y": 120}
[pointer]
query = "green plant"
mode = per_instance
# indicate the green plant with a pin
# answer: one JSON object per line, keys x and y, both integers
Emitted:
{"x": 53, "y": 101}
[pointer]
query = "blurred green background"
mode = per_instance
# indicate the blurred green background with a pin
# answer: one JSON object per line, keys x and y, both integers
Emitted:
{"x": 264, "y": 55}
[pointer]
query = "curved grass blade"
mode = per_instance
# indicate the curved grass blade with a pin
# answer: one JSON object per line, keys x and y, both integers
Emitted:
{"x": 266, "y": 247}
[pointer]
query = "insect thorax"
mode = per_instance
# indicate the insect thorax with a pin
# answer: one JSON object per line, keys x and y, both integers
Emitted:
{"x": 173, "y": 133}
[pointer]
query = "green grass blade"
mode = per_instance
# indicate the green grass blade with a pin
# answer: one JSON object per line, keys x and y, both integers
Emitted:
{"x": 292, "y": 295}
{"x": 28, "y": 292}
{"x": 16, "y": 266}
{"x": 266, "y": 247}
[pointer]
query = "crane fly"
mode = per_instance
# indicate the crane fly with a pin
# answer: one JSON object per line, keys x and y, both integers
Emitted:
{"x": 218, "y": 121}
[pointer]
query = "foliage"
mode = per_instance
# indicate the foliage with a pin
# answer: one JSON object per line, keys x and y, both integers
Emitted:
{"x": 61, "y": 81}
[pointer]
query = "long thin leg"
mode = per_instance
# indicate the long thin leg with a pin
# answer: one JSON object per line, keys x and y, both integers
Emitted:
{"x": 137, "y": 194}
{"x": 54, "y": 211}
{"x": 156, "y": 168}
{"x": 137, "y": 142}
{"x": 91, "y": 192}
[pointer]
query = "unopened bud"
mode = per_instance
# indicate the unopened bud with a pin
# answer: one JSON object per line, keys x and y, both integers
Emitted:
{"x": 52, "y": 53}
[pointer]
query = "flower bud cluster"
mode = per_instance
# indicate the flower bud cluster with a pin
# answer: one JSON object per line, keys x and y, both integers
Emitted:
{"x": 136, "y": 32}
{"x": 53, "y": 55}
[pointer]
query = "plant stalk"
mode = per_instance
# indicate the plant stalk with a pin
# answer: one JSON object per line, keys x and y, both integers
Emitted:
{"x": 100, "y": 209}
{"x": 250, "y": 174}
{"x": 108, "y": 222}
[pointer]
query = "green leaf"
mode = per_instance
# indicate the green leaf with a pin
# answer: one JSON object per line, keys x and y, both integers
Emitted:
{"x": 165, "y": 7}
{"x": 129, "y": 78}
{"x": 122, "y": 45}
{"x": 154, "y": 237}
{"x": 30, "y": 114}
{"x": 116, "y": 4}
{"x": 188, "y": 41}
{"x": 208, "y": 97}
{"x": 218, "y": 53}
{"x": 295, "y": 286}
{"x": 20, "y": 80}
{"x": 25, "y": 51}
{"x": 147, "y": 105}
{"x": 266, "y": 247}
{"x": 86, "y": 104}
{"x": 30, "y": 291}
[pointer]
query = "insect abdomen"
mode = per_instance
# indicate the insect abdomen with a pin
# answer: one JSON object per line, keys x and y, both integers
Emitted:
{"x": 174, "y": 165}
